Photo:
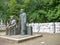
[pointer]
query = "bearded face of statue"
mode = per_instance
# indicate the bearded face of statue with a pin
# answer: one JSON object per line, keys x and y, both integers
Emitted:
{"x": 11, "y": 17}
{"x": 22, "y": 10}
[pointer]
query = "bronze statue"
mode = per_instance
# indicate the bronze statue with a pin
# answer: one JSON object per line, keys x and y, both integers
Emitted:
{"x": 11, "y": 27}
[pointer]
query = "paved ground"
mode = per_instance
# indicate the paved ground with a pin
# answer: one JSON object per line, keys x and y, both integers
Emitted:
{"x": 47, "y": 39}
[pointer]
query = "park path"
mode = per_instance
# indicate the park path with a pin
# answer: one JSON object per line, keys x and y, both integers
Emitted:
{"x": 47, "y": 39}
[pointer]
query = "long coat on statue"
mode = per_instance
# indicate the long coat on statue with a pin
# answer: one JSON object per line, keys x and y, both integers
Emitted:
{"x": 23, "y": 23}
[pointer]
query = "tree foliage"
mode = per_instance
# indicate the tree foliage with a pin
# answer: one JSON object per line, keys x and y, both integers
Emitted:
{"x": 37, "y": 10}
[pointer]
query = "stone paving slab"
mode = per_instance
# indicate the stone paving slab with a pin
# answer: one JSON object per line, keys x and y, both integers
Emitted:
{"x": 47, "y": 39}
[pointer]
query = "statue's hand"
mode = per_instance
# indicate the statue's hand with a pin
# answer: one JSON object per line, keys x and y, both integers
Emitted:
{"x": 10, "y": 26}
{"x": 7, "y": 27}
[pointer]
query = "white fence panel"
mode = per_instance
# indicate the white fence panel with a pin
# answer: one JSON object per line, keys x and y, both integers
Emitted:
{"x": 2, "y": 27}
{"x": 46, "y": 27}
{"x": 57, "y": 24}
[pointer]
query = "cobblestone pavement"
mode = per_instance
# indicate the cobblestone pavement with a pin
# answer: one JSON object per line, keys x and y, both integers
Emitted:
{"x": 47, "y": 39}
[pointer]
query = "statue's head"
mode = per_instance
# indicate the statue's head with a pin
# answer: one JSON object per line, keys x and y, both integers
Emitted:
{"x": 11, "y": 17}
{"x": 22, "y": 10}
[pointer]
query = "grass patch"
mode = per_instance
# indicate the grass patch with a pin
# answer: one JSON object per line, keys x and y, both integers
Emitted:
{"x": 2, "y": 30}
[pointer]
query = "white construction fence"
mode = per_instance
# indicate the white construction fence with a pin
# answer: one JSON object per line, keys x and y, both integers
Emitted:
{"x": 42, "y": 27}
{"x": 46, "y": 27}
{"x": 2, "y": 27}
